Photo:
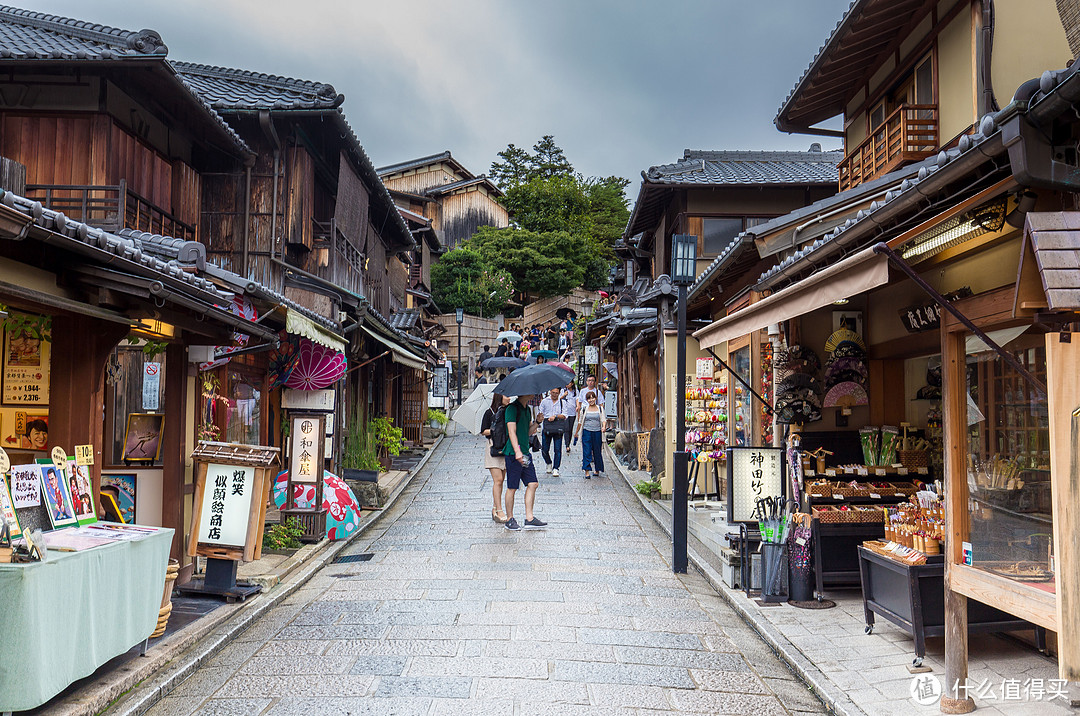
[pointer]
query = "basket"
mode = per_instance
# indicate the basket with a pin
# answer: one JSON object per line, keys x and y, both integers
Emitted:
{"x": 906, "y": 489}
{"x": 827, "y": 514}
{"x": 819, "y": 490}
{"x": 887, "y": 491}
{"x": 914, "y": 459}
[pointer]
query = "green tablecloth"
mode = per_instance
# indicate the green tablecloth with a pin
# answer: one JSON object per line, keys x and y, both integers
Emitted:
{"x": 62, "y": 619}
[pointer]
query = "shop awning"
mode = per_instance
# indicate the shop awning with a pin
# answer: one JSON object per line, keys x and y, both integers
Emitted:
{"x": 857, "y": 273}
{"x": 300, "y": 325}
{"x": 399, "y": 354}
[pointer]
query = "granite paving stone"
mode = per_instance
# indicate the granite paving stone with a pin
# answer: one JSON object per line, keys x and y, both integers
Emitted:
{"x": 456, "y": 615}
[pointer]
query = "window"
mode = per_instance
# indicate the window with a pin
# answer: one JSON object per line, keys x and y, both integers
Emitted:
{"x": 244, "y": 418}
{"x": 718, "y": 233}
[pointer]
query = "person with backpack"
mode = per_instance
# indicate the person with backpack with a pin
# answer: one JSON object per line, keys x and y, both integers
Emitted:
{"x": 518, "y": 427}
{"x": 494, "y": 460}
{"x": 554, "y": 413}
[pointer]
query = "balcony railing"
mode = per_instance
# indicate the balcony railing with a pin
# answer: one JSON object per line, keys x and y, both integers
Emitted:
{"x": 909, "y": 134}
{"x": 110, "y": 207}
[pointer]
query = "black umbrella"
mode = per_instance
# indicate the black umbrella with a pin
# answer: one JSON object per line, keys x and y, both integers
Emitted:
{"x": 566, "y": 311}
{"x": 502, "y": 362}
{"x": 534, "y": 380}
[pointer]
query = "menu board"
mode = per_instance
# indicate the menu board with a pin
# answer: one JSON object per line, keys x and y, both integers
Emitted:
{"x": 25, "y": 368}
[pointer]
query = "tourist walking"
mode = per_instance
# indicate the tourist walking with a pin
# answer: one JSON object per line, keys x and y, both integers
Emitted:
{"x": 484, "y": 355}
{"x": 570, "y": 397}
{"x": 495, "y": 464}
{"x": 590, "y": 384}
{"x": 591, "y": 428}
{"x": 553, "y": 414}
{"x": 519, "y": 465}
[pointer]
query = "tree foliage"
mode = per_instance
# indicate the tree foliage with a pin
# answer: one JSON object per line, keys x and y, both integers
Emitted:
{"x": 545, "y": 196}
{"x": 540, "y": 263}
{"x": 462, "y": 278}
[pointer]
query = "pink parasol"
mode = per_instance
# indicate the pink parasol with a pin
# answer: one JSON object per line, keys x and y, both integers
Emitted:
{"x": 316, "y": 367}
{"x": 560, "y": 364}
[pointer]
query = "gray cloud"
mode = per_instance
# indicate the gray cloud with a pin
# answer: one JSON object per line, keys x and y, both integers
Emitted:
{"x": 622, "y": 85}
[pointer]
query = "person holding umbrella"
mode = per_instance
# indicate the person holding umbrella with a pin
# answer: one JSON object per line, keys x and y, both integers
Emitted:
{"x": 495, "y": 464}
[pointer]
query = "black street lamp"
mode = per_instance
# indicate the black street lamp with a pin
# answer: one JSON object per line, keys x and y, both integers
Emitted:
{"x": 683, "y": 272}
{"x": 460, "y": 316}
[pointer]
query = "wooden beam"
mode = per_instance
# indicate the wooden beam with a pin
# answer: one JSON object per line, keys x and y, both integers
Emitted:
{"x": 1063, "y": 384}
{"x": 1016, "y": 598}
{"x": 987, "y": 193}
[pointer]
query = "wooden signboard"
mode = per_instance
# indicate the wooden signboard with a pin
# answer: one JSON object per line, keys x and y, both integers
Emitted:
{"x": 307, "y": 447}
{"x": 231, "y": 485}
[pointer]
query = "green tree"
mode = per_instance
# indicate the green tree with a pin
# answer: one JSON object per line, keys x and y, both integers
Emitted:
{"x": 513, "y": 169}
{"x": 462, "y": 278}
{"x": 549, "y": 160}
{"x": 540, "y": 264}
{"x": 557, "y": 203}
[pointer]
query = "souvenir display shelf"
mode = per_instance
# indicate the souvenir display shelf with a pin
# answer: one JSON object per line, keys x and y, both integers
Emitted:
{"x": 706, "y": 430}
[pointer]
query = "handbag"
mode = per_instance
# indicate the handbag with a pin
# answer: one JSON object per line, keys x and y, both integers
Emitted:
{"x": 555, "y": 427}
{"x": 534, "y": 444}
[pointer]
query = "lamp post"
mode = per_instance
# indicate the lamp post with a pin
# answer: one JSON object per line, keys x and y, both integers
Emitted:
{"x": 683, "y": 270}
{"x": 459, "y": 314}
{"x": 586, "y": 306}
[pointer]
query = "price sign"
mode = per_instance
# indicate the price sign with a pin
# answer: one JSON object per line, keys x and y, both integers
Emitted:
{"x": 705, "y": 368}
{"x": 84, "y": 455}
{"x": 59, "y": 458}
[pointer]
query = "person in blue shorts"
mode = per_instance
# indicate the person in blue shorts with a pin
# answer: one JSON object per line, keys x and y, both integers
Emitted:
{"x": 519, "y": 466}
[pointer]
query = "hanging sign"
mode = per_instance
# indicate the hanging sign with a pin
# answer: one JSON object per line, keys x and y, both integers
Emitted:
{"x": 151, "y": 385}
{"x": 752, "y": 473}
{"x": 705, "y": 368}
{"x": 592, "y": 355}
{"x": 84, "y": 455}
{"x": 25, "y": 486}
{"x": 59, "y": 458}
{"x": 226, "y": 504}
{"x": 440, "y": 381}
{"x": 293, "y": 399}
{"x": 306, "y": 446}
{"x": 927, "y": 316}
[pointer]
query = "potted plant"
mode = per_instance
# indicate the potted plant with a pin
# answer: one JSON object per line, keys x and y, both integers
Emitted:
{"x": 649, "y": 487}
{"x": 359, "y": 458}
{"x": 438, "y": 418}
{"x": 388, "y": 440}
{"x": 284, "y": 538}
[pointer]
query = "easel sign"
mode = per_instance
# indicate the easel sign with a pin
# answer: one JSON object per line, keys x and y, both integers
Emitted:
{"x": 752, "y": 473}
{"x": 306, "y": 459}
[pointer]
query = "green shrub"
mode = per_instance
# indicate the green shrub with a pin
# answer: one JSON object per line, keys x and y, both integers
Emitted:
{"x": 360, "y": 452}
{"x": 388, "y": 439}
{"x": 438, "y": 416}
{"x": 283, "y": 536}
{"x": 646, "y": 487}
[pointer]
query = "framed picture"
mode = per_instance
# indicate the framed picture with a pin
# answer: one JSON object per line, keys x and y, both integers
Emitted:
{"x": 121, "y": 488}
{"x": 82, "y": 492}
{"x": 28, "y": 431}
{"x": 58, "y": 501}
{"x": 25, "y": 367}
{"x": 852, "y": 320}
{"x": 7, "y": 509}
{"x": 142, "y": 439}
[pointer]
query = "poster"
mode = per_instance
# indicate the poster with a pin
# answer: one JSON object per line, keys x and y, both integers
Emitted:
{"x": 7, "y": 510}
{"x": 142, "y": 440}
{"x": 122, "y": 489}
{"x": 25, "y": 486}
{"x": 226, "y": 505}
{"x": 58, "y": 501}
{"x": 753, "y": 473}
{"x": 26, "y": 368}
{"x": 82, "y": 492}
{"x": 151, "y": 386}
{"x": 25, "y": 429}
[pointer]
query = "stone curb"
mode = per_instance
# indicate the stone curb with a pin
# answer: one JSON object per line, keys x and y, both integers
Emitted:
{"x": 175, "y": 663}
{"x": 832, "y": 696}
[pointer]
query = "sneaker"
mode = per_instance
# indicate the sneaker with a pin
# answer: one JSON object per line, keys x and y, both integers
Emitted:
{"x": 534, "y": 522}
{"x": 512, "y": 524}
{"x": 587, "y": 476}
{"x": 548, "y": 469}
{"x": 555, "y": 472}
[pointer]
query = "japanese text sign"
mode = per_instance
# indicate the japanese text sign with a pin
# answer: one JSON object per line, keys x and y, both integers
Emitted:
{"x": 306, "y": 448}
{"x": 440, "y": 381}
{"x": 25, "y": 486}
{"x": 753, "y": 473}
{"x": 226, "y": 505}
{"x": 705, "y": 368}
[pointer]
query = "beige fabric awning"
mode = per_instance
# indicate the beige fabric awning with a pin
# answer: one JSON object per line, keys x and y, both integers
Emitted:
{"x": 300, "y": 325}
{"x": 850, "y": 277}
{"x": 397, "y": 353}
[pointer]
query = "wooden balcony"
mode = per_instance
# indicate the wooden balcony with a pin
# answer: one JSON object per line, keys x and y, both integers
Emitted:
{"x": 909, "y": 134}
{"x": 110, "y": 207}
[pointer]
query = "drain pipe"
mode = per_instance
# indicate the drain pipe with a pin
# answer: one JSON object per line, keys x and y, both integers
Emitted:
{"x": 1031, "y": 151}
{"x": 270, "y": 131}
{"x": 985, "y": 54}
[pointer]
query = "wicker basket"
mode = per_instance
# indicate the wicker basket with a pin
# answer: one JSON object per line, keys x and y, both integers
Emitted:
{"x": 914, "y": 459}
{"x": 905, "y": 488}
{"x": 819, "y": 490}
{"x": 827, "y": 514}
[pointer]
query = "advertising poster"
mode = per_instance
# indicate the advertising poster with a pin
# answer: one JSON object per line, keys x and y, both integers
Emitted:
{"x": 26, "y": 368}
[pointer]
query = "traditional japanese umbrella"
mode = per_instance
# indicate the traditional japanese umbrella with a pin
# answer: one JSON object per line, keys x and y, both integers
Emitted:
{"x": 534, "y": 380}
{"x": 342, "y": 507}
{"x": 283, "y": 360}
{"x": 508, "y": 362}
{"x": 560, "y": 364}
{"x": 469, "y": 414}
{"x": 317, "y": 367}
{"x": 512, "y": 336}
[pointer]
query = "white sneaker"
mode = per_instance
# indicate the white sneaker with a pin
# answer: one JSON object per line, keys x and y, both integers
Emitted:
{"x": 548, "y": 469}
{"x": 555, "y": 472}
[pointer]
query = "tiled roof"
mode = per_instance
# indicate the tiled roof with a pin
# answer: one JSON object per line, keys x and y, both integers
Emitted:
{"x": 34, "y": 35}
{"x": 738, "y": 167}
{"x": 405, "y": 320}
{"x": 455, "y": 185}
{"x": 425, "y": 161}
{"x": 232, "y": 90}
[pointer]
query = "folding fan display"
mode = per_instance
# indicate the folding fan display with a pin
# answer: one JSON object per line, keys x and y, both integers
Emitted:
{"x": 283, "y": 361}
{"x": 317, "y": 367}
{"x": 841, "y": 336}
{"x": 845, "y": 395}
{"x": 797, "y": 396}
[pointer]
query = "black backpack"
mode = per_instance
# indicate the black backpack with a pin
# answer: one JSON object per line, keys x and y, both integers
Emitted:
{"x": 499, "y": 436}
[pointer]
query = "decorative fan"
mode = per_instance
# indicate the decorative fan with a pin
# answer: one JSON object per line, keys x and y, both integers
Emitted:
{"x": 848, "y": 349}
{"x": 797, "y": 380}
{"x": 844, "y": 376}
{"x": 836, "y": 365}
{"x": 317, "y": 367}
{"x": 845, "y": 395}
{"x": 842, "y": 335}
{"x": 283, "y": 361}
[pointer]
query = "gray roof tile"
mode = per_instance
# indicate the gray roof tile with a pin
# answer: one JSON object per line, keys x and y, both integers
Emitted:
{"x": 229, "y": 89}
{"x": 725, "y": 168}
{"x": 34, "y": 35}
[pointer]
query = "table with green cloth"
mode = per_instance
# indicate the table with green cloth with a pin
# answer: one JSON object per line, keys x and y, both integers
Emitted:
{"x": 62, "y": 619}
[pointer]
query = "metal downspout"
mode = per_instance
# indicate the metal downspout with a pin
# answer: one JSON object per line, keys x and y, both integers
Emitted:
{"x": 245, "y": 271}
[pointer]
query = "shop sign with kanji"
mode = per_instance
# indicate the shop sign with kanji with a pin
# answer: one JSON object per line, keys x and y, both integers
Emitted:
{"x": 226, "y": 505}
{"x": 753, "y": 473}
{"x": 306, "y": 449}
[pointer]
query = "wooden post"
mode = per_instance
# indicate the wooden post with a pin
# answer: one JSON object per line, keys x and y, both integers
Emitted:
{"x": 174, "y": 449}
{"x": 954, "y": 418}
{"x": 1063, "y": 383}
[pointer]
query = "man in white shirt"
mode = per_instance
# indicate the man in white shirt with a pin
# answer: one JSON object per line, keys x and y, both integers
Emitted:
{"x": 552, "y": 413}
{"x": 590, "y": 384}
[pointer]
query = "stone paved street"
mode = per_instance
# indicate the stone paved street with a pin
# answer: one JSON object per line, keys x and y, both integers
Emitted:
{"x": 457, "y": 615}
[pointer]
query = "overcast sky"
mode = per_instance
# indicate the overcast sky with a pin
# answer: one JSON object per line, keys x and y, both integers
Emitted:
{"x": 622, "y": 84}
